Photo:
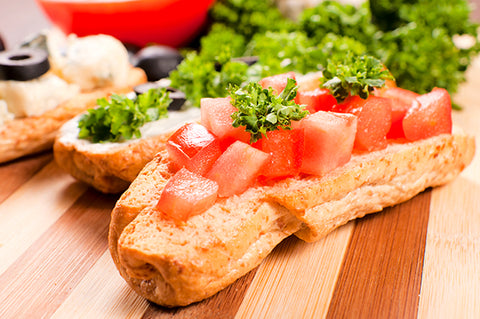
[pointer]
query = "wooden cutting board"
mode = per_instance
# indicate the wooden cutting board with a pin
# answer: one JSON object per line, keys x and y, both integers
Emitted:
{"x": 420, "y": 259}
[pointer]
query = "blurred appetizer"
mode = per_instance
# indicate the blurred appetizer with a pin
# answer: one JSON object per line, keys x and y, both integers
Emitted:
{"x": 265, "y": 163}
{"x": 52, "y": 78}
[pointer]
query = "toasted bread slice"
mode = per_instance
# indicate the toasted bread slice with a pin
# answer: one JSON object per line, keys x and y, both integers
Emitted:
{"x": 177, "y": 264}
{"x": 29, "y": 135}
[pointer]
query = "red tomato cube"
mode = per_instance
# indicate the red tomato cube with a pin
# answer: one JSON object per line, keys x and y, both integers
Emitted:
{"x": 316, "y": 100}
{"x": 216, "y": 117}
{"x": 286, "y": 150}
{"x": 374, "y": 116}
{"x": 237, "y": 168}
{"x": 430, "y": 115}
{"x": 187, "y": 194}
{"x": 203, "y": 161}
{"x": 186, "y": 142}
{"x": 402, "y": 99}
{"x": 277, "y": 82}
{"x": 328, "y": 140}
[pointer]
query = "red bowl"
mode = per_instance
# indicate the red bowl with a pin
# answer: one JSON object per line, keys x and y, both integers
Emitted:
{"x": 170, "y": 22}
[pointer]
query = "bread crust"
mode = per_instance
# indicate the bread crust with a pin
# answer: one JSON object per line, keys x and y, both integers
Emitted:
{"x": 29, "y": 135}
{"x": 175, "y": 265}
{"x": 109, "y": 171}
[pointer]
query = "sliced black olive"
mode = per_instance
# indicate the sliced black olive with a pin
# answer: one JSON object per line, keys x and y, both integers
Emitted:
{"x": 157, "y": 61}
{"x": 132, "y": 50}
{"x": 178, "y": 97}
{"x": 144, "y": 87}
{"x": 23, "y": 64}
{"x": 2, "y": 45}
{"x": 37, "y": 41}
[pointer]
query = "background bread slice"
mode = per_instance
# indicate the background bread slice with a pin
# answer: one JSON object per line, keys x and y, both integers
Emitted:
{"x": 29, "y": 135}
{"x": 111, "y": 167}
{"x": 175, "y": 265}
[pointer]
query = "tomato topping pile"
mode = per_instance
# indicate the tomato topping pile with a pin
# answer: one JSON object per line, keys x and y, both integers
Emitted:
{"x": 214, "y": 159}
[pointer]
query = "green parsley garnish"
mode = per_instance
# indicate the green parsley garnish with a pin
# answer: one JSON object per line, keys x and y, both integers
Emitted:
{"x": 121, "y": 118}
{"x": 261, "y": 110}
{"x": 354, "y": 76}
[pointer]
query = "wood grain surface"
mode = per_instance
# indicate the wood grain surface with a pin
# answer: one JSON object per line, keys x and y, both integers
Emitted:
{"x": 419, "y": 259}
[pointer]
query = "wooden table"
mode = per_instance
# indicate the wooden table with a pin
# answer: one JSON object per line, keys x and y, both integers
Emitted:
{"x": 420, "y": 259}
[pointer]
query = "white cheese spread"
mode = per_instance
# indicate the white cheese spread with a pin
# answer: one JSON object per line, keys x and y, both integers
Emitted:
{"x": 35, "y": 97}
{"x": 91, "y": 62}
{"x": 5, "y": 116}
{"x": 69, "y": 131}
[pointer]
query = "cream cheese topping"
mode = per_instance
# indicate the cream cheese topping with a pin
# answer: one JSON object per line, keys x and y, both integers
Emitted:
{"x": 35, "y": 97}
{"x": 5, "y": 115}
{"x": 91, "y": 61}
{"x": 69, "y": 131}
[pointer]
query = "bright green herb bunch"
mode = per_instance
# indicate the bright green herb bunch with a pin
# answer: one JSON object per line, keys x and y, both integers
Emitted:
{"x": 121, "y": 118}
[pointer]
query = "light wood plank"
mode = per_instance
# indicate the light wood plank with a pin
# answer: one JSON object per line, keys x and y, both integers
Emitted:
{"x": 451, "y": 276}
{"x": 280, "y": 288}
{"x": 102, "y": 293}
{"x": 34, "y": 207}
{"x": 42, "y": 277}
{"x": 16, "y": 173}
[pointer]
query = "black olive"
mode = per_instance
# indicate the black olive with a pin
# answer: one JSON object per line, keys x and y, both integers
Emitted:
{"x": 132, "y": 49}
{"x": 144, "y": 87}
{"x": 23, "y": 64}
{"x": 157, "y": 61}
{"x": 2, "y": 45}
{"x": 36, "y": 41}
{"x": 178, "y": 97}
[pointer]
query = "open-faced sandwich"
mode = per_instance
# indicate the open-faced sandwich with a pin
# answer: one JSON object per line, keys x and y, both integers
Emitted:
{"x": 52, "y": 78}
{"x": 107, "y": 146}
{"x": 265, "y": 163}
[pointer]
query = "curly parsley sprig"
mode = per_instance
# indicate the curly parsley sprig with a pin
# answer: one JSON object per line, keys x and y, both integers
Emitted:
{"x": 354, "y": 76}
{"x": 121, "y": 118}
{"x": 261, "y": 110}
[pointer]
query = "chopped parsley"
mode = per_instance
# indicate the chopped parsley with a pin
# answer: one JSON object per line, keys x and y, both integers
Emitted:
{"x": 121, "y": 118}
{"x": 261, "y": 110}
{"x": 354, "y": 76}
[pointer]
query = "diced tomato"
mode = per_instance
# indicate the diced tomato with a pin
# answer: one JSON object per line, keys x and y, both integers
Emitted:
{"x": 402, "y": 99}
{"x": 277, "y": 82}
{"x": 203, "y": 161}
{"x": 216, "y": 117}
{"x": 316, "y": 100}
{"x": 430, "y": 115}
{"x": 328, "y": 141}
{"x": 194, "y": 147}
{"x": 286, "y": 150}
{"x": 187, "y": 194}
{"x": 237, "y": 168}
{"x": 374, "y": 116}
